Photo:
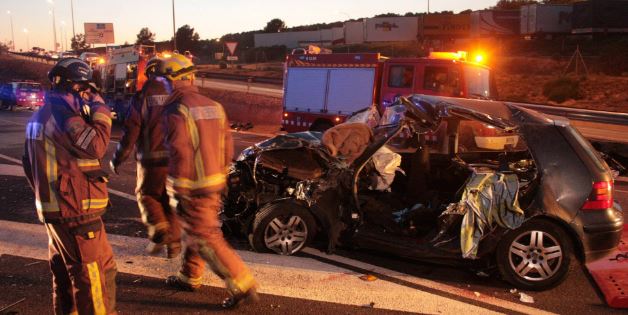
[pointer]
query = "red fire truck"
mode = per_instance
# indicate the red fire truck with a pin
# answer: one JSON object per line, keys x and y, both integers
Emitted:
{"x": 320, "y": 91}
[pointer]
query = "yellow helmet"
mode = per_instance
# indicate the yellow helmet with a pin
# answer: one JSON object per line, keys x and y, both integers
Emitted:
{"x": 177, "y": 67}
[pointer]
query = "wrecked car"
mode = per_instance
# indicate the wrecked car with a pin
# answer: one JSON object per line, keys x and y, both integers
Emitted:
{"x": 439, "y": 179}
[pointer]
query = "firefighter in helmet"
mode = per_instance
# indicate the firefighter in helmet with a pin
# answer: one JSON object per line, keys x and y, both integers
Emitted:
{"x": 200, "y": 148}
{"x": 65, "y": 142}
{"x": 143, "y": 130}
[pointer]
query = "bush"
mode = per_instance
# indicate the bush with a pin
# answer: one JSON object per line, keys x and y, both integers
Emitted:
{"x": 562, "y": 89}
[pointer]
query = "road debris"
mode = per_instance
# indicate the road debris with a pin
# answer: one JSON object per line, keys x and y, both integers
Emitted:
{"x": 33, "y": 263}
{"x": 370, "y": 305}
{"x": 477, "y": 294}
{"x": 482, "y": 274}
{"x": 525, "y": 298}
{"x": 11, "y": 305}
{"x": 513, "y": 291}
{"x": 368, "y": 277}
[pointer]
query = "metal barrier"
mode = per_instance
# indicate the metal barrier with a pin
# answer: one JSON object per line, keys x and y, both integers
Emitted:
{"x": 613, "y": 118}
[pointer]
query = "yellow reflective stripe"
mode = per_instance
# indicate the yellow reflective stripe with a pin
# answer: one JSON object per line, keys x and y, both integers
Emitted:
{"x": 87, "y": 163}
{"x": 102, "y": 118}
{"x": 96, "y": 288}
{"x": 94, "y": 203}
{"x": 245, "y": 281}
{"x": 189, "y": 280}
{"x": 51, "y": 175}
{"x": 205, "y": 182}
{"x": 198, "y": 159}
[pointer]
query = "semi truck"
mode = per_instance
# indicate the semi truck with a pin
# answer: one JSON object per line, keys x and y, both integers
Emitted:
{"x": 321, "y": 91}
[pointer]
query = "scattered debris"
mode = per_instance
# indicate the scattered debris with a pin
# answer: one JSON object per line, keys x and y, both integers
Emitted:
{"x": 525, "y": 298}
{"x": 370, "y": 305}
{"x": 368, "y": 277}
{"x": 128, "y": 262}
{"x": 138, "y": 280}
{"x": 482, "y": 274}
{"x": 513, "y": 291}
{"x": 273, "y": 306}
{"x": 33, "y": 263}
{"x": 477, "y": 294}
{"x": 11, "y": 305}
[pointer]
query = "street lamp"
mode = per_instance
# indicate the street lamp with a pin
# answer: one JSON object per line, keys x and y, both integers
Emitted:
{"x": 64, "y": 40}
{"x": 54, "y": 24}
{"x": 174, "y": 32}
{"x": 12, "y": 34}
{"x": 72, "y": 9}
{"x": 27, "y": 42}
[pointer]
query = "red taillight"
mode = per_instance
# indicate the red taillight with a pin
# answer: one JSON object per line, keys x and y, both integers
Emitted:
{"x": 601, "y": 197}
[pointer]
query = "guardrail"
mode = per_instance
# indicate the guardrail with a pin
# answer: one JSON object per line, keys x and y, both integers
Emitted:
{"x": 40, "y": 59}
{"x": 239, "y": 77}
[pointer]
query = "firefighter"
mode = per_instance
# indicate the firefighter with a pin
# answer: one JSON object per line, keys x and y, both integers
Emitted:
{"x": 65, "y": 141}
{"x": 144, "y": 130}
{"x": 200, "y": 149}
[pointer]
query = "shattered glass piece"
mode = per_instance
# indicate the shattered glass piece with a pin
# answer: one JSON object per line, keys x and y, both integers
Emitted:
{"x": 525, "y": 298}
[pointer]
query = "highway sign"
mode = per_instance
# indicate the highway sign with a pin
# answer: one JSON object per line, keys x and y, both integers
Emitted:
{"x": 99, "y": 33}
{"x": 231, "y": 46}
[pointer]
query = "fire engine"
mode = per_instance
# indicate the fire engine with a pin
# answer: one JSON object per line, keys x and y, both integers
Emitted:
{"x": 322, "y": 90}
{"x": 122, "y": 75}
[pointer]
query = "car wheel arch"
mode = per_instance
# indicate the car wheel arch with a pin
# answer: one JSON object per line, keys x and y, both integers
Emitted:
{"x": 568, "y": 229}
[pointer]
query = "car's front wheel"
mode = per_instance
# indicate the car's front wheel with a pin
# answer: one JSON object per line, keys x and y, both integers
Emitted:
{"x": 535, "y": 256}
{"x": 284, "y": 228}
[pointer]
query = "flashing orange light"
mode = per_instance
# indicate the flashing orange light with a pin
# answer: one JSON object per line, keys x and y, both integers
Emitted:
{"x": 479, "y": 58}
{"x": 101, "y": 61}
{"x": 285, "y": 114}
{"x": 337, "y": 119}
{"x": 166, "y": 55}
{"x": 459, "y": 55}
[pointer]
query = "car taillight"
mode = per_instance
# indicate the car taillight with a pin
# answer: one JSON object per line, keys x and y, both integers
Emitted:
{"x": 601, "y": 197}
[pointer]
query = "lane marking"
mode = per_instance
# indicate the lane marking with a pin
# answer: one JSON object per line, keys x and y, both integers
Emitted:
{"x": 8, "y": 158}
{"x": 12, "y": 122}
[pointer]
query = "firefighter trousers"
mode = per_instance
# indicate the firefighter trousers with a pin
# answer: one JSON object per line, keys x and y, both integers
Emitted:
{"x": 160, "y": 220}
{"x": 205, "y": 243}
{"x": 83, "y": 269}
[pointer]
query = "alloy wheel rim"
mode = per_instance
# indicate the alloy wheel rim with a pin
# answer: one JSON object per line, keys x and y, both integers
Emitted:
{"x": 535, "y": 255}
{"x": 285, "y": 236}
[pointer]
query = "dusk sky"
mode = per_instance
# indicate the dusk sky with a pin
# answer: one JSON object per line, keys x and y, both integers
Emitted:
{"x": 211, "y": 19}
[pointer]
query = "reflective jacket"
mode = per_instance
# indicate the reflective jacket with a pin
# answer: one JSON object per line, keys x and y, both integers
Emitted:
{"x": 199, "y": 143}
{"x": 62, "y": 159}
{"x": 143, "y": 125}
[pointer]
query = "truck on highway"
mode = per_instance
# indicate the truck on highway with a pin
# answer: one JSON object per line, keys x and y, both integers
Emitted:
{"x": 322, "y": 90}
{"x": 122, "y": 74}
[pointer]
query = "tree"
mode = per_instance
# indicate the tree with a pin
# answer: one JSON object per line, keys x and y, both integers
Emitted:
{"x": 512, "y": 4}
{"x": 145, "y": 37}
{"x": 78, "y": 42}
{"x": 3, "y": 48}
{"x": 187, "y": 39}
{"x": 275, "y": 26}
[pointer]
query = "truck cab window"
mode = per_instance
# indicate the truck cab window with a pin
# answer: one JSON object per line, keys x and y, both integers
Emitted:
{"x": 440, "y": 80}
{"x": 401, "y": 76}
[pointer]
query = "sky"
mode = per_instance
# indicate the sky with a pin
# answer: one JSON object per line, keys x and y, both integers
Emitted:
{"x": 32, "y": 19}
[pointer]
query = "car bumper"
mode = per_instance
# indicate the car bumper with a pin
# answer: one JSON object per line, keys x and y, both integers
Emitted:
{"x": 599, "y": 239}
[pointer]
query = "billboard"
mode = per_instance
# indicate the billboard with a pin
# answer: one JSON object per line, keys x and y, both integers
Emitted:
{"x": 99, "y": 33}
{"x": 446, "y": 25}
{"x": 389, "y": 29}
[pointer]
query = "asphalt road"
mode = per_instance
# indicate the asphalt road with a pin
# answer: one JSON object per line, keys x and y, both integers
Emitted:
{"x": 310, "y": 283}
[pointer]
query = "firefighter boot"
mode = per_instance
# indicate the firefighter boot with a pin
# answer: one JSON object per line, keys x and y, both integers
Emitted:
{"x": 235, "y": 300}
{"x": 178, "y": 283}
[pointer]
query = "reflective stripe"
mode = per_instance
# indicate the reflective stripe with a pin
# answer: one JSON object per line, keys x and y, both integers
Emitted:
{"x": 51, "y": 176}
{"x": 94, "y": 203}
{"x": 245, "y": 281}
{"x": 87, "y": 163}
{"x": 206, "y": 182}
{"x": 102, "y": 118}
{"x": 193, "y": 130}
{"x": 96, "y": 289}
{"x": 189, "y": 280}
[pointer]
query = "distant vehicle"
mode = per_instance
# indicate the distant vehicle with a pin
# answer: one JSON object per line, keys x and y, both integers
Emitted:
{"x": 26, "y": 94}
{"x": 90, "y": 57}
{"x": 67, "y": 54}
{"x": 322, "y": 90}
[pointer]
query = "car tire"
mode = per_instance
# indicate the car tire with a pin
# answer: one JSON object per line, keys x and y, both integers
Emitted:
{"x": 536, "y": 256}
{"x": 284, "y": 228}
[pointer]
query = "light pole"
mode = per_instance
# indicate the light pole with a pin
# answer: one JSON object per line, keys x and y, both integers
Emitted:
{"x": 12, "y": 34}
{"x": 64, "y": 41}
{"x": 174, "y": 32}
{"x": 28, "y": 44}
{"x": 54, "y": 26}
{"x": 428, "y": 6}
{"x": 72, "y": 9}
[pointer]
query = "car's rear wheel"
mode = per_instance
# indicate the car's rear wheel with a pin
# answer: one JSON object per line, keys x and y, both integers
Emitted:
{"x": 284, "y": 228}
{"x": 535, "y": 256}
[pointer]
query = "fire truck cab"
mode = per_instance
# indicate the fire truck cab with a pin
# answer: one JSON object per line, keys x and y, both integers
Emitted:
{"x": 123, "y": 75}
{"x": 320, "y": 91}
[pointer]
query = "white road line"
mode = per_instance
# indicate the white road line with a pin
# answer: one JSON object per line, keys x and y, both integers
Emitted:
{"x": 8, "y": 158}
{"x": 12, "y": 122}
{"x": 296, "y": 277}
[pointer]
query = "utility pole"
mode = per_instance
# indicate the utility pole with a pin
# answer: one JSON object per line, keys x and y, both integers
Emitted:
{"x": 72, "y": 9}
{"x": 12, "y": 34}
{"x": 428, "y": 6}
{"x": 54, "y": 27}
{"x": 174, "y": 32}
